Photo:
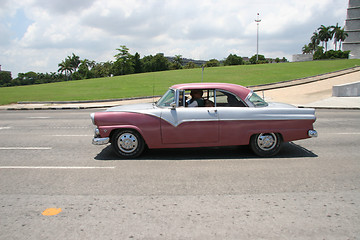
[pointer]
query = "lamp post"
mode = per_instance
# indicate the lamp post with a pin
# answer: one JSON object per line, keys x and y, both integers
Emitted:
{"x": 257, "y": 37}
{"x": 202, "y": 73}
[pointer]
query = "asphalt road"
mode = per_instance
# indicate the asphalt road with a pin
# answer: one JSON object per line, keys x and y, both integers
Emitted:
{"x": 309, "y": 191}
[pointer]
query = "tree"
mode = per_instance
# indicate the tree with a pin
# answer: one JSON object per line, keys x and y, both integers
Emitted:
{"x": 74, "y": 62}
{"x": 102, "y": 69}
{"x": 160, "y": 62}
{"x": 124, "y": 62}
{"x": 341, "y": 35}
{"x": 325, "y": 35}
{"x": 65, "y": 66}
{"x": 84, "y": 68}
{"x": 306, "y": 49}
{"x": 5, "y": 78}
{"x": 138, "y": 66}
{"x": 261, "y": 59}
{"x": 233, "y": 59}
{"x": 177, "y": 62}
{"x": 335, "y": 33}
{"x": 314, "y": 41}
{"x": 212, "y": 63}
{"x": 190, "y": 65}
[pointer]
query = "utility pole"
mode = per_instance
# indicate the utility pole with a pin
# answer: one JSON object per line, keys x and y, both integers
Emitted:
{"x": 257, "y": 37}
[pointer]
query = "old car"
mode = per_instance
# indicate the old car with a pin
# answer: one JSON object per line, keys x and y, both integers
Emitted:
{"x": 225, "y": 115}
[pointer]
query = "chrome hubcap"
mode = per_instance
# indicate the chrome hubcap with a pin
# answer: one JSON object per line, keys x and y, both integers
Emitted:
{"x": 266, "y": 141}
{"x": 127, "y": 142}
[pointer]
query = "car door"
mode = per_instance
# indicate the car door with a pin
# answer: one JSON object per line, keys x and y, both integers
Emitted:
{"x": 184, "y": 125}
{"x": 233, "y": 118}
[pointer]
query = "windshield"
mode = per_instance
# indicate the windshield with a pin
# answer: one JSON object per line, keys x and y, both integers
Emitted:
{"x": 166, "y": 99}
{"x": 257, "y": 100}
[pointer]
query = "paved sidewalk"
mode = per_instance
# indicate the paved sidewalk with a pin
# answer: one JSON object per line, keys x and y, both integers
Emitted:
{"x": 315, "y": 92}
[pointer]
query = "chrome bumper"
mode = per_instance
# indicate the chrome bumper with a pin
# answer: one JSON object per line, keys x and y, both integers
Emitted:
{"x": 100, "y": 141}
{"x": 97, "y": 140}
{"x": 312, "y": 133}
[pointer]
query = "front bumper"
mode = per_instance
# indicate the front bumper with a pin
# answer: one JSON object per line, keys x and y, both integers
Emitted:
{"x": 100, "y": 141}
{"x": 312, "y": 133}
{"x": 97, "y": 140}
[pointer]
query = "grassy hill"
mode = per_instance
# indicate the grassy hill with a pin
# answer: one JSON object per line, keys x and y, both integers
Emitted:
{"x": 147, "y": 84}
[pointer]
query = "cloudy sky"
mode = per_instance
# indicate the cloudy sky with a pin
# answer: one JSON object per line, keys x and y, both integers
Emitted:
{"x": 36, "y": 35}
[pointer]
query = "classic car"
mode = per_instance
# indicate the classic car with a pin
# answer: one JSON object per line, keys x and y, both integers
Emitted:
{"x": 228, "y": 115}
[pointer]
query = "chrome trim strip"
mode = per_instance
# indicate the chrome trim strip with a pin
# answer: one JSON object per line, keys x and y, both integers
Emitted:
{"x": 92, "y": 116}
{"x": 100, "y": 141}
{"x": 247, "y": 99}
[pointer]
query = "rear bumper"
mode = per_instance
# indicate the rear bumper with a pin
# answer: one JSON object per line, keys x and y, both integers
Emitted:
{"x": 312, "y": 133}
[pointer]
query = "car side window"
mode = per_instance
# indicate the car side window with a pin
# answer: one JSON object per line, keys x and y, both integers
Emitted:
{"x": 226, "y": 99}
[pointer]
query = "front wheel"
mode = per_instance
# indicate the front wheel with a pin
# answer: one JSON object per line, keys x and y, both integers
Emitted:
{"x": 266, "y": 144}
{"x": 128, "y": 143}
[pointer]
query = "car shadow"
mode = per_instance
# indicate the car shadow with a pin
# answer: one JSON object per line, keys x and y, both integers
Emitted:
{"x": 289, "y": 150}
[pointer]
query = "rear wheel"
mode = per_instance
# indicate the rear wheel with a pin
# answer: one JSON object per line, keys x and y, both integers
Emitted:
{"x": 266, "y": 144}
{"x": 128, "y": 143}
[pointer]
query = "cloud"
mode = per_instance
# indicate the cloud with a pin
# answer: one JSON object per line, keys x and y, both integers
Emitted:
{"x": 201, "y": 29}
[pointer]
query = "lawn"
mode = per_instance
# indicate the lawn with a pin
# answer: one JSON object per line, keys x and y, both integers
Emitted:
{"x": 148, "y": 84}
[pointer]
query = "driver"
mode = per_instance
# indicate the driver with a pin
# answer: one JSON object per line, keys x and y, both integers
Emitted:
{"x": 196, "y": 99}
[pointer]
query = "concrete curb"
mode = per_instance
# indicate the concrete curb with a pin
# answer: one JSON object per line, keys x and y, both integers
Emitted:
{"x": 87, "y": 101}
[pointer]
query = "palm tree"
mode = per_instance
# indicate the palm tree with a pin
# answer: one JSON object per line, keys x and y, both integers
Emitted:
{"x": 325, "y": 35}
{"x": 341, "y": 36}
{"x": 177, "y": 64}
{"x": 335, "y": 32}
{"x": 74, "y": 61}
{"x": 65, "y": 66}
{"x": 85, "y": 64}
{"x": 315, "y": 41}
{"x": 306, "y": 49}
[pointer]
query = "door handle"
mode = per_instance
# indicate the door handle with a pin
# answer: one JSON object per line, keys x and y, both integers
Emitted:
{"x": 212, "y": 111}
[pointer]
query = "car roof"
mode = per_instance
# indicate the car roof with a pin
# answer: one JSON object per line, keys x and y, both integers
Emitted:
{"x": 240, "y": 91}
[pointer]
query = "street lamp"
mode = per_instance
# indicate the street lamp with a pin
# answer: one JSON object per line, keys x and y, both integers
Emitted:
{"x": 257, "y": 20}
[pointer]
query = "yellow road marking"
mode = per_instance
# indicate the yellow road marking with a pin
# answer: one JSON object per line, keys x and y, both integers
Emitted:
{"x": 51, "y": 211}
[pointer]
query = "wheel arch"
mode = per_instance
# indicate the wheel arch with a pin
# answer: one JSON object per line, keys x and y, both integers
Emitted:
{"x": 126, "y": 127}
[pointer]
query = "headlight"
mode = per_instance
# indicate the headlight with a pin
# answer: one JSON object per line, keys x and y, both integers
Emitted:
{"x": 97, "y": 132}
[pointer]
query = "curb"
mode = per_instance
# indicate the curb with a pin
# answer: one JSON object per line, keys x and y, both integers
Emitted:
{"x": 86, "y": 101}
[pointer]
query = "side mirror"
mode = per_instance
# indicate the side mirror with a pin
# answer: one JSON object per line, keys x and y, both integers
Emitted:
{"x": 173, "y": 105}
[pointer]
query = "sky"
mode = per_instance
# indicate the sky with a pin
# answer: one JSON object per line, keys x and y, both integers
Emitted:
{"x": 36, "y": 35}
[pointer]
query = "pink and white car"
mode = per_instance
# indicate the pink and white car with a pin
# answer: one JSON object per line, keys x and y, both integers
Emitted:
{"x": 231, "y": 115}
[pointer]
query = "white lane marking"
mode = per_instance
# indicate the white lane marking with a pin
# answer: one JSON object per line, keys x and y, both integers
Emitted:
{"x": 348, "y": 133}
{"x": 52, "y": 167}
{"x": 79, "y": 135}
{"x": 38, "y": 117}
{"x": 25, "y": 148}
{"x": 4, "y": 128}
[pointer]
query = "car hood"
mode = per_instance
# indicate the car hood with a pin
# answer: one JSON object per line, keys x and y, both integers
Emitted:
{"x": 132, "y": 107}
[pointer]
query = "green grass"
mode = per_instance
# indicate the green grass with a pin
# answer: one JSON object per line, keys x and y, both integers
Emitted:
{"x": 147, "y": 84}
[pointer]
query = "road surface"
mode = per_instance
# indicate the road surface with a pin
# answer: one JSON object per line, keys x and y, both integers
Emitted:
{"x": 309, "y": 191}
